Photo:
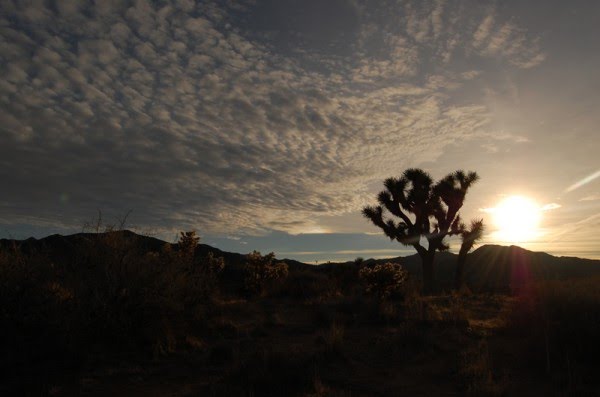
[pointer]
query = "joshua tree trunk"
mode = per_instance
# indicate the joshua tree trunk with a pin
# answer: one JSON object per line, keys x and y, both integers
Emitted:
{"x": 428, "y": 272}
{"x": 469, "y": 238}
{"x": 459, "y": 279}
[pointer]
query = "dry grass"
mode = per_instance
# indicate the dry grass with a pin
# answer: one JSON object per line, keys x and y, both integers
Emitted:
{"x": 334, "y": 337}
{"x": 558, "y": 324}
{"x": 313, "y": 333}
{"x": 476, "y": 370}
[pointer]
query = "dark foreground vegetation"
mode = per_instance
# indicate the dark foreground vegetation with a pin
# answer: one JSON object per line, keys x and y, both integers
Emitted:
{"x": 120, "y": 314}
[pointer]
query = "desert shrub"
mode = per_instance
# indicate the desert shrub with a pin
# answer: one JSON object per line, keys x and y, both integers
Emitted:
{"x": 309, "y": 285}
{"x": 121, "y": 298}
{"x": 377, "y": 312}
{"x": 187, "y": 243}
{"x": 108, "y": 295}
{"x": 261, "y": 272}
{"x": 190, "y": 279}
{"x": 221, "y": 354}
{"x": 448, "y": 309}
{"x": 30, "y": 301}
{"x": 334, "y": 337}
{"x": 384, "y": 281}
{"x": 457, "y": 314}
{"x": 388, "y": 312}
{"x": 342, "y": 277}
{"x": 321, "y": 389}
{"x": 267, "y": 372}
{"x": 103, "y": 297}
{"x": 324, "y": 314}
{"x": 209, "y": 268}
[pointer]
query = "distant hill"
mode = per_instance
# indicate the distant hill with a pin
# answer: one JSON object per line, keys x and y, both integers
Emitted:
{"x": 500, "y": 267}
{"x": 59, "y": 247}
{"x": 489, "y": 267}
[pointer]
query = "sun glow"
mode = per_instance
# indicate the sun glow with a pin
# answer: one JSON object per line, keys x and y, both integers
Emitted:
{"x": 517, "y": 219}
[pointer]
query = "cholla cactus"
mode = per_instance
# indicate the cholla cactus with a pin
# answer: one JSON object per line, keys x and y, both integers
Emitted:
{"x": 260, "y": 270}
{"x": 213, "y": 264}
{"x": 199, "y": 275}
{"x": 188, "y": 242}
{"x": 384, "y": 281}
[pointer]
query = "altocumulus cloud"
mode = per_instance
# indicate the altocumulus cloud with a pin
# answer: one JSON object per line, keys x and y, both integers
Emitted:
{"x": 234, "y": 116}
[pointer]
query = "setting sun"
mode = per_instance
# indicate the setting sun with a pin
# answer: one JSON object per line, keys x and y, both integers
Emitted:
{"x": 517, "y": 219}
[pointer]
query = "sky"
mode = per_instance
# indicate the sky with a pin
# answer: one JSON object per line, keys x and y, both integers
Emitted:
{"x": 269, "y": 124}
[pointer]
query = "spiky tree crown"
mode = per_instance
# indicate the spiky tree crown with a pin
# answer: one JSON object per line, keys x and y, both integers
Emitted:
{"x": 424, "y": 209}
{"x": 473, "y": 234}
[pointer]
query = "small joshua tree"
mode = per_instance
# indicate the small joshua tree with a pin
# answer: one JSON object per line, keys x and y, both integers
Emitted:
{"x": 469, "y": 237}
{"x": 425, "y": 210}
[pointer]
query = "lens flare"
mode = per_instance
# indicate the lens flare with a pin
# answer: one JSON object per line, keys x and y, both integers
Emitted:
{"x": 583, "y": 181}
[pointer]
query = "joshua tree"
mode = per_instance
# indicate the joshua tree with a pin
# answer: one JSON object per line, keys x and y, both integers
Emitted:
{"x": 425, "y": 210}
{"x": 469, "y": 237}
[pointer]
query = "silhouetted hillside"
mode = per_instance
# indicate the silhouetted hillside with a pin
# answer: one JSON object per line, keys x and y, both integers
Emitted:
{"x": 500, "y": 267}
{"x": 71, "y": 247}
{"x": 488, "y": 267}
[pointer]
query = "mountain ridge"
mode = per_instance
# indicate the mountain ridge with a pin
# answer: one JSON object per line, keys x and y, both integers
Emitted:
{"x": 490, "y": 266}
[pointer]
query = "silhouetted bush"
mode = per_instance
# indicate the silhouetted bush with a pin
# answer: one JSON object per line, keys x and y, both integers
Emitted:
{"x": 262, "y": 273}
{"x": 106, "y": 297}
{"x": 187, "y": 243}
{"x": 384, "y": 281}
